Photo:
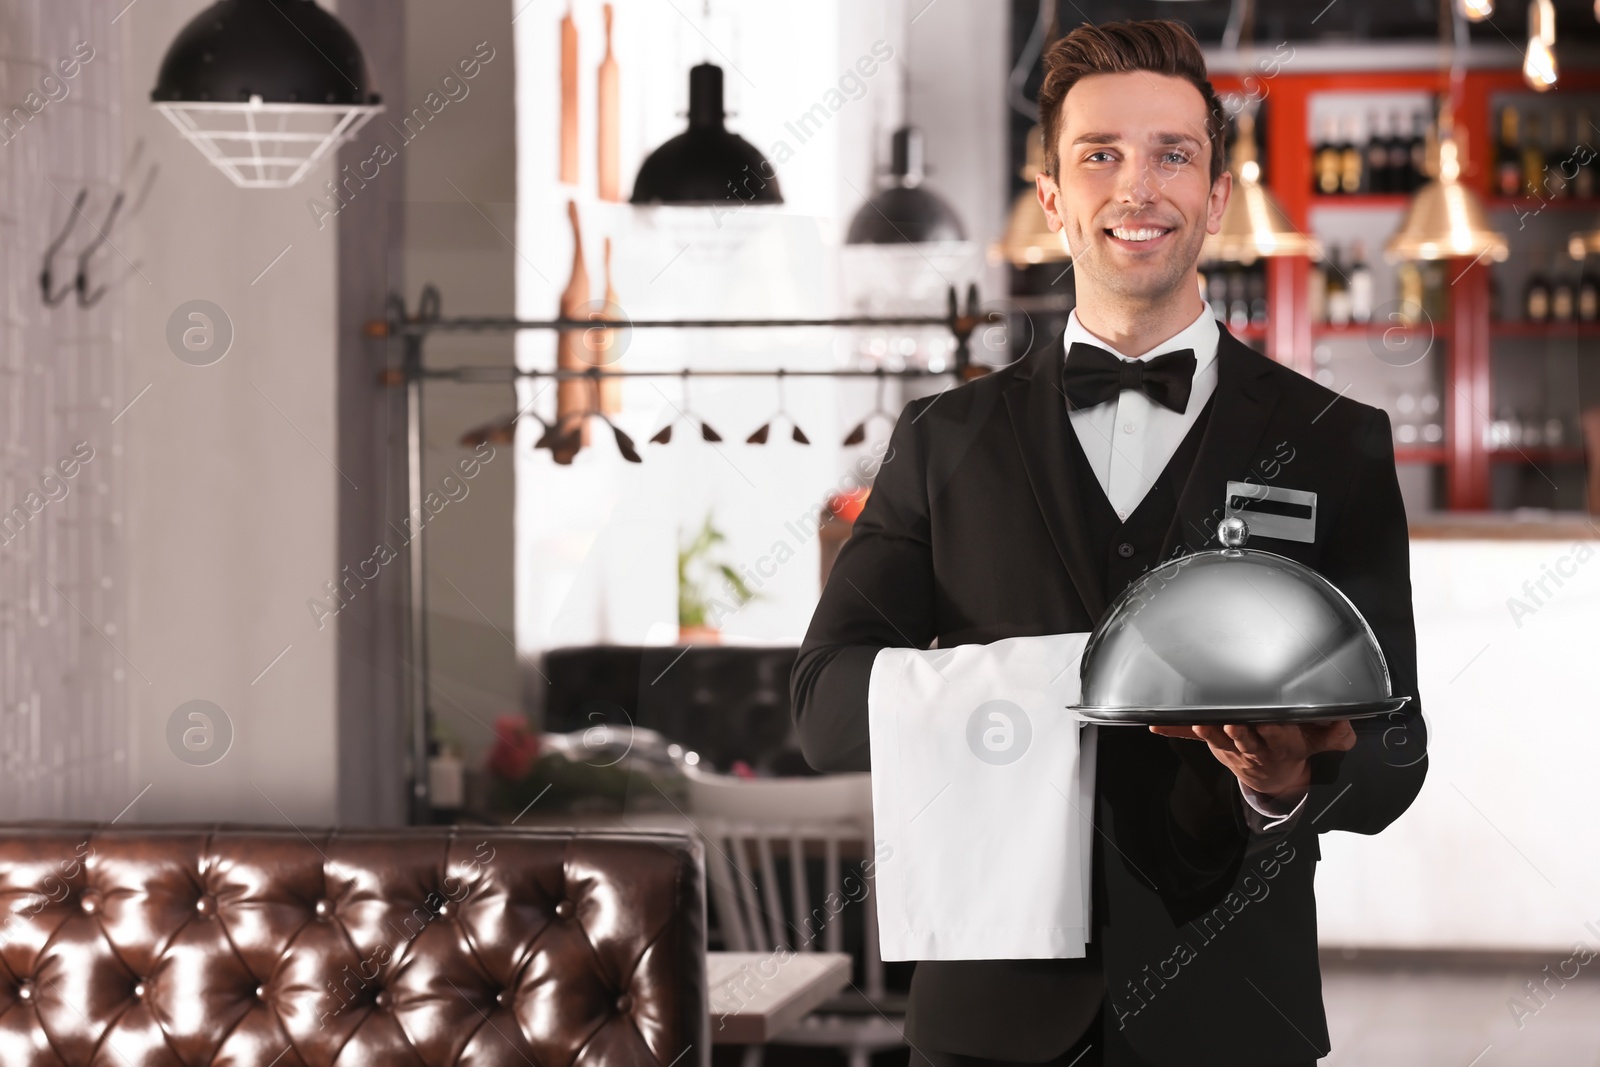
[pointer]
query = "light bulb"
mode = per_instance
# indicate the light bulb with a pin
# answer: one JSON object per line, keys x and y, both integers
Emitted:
{"x": 1478, "y": 10}
{"x": 1539, "y": 65}
{"x": 1539, "y": 68}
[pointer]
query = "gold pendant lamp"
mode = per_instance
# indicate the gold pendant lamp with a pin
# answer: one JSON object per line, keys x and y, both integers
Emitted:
{"x": 1445, "y": 219}
{"x": 1253, "y": 225}
{"x": 1029, "y": 238}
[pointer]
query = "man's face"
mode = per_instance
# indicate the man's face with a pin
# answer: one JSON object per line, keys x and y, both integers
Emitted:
{"x": 1135, "y": 196}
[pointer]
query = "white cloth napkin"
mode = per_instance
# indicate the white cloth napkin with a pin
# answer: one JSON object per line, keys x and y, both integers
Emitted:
{"x": 984, "y": 802}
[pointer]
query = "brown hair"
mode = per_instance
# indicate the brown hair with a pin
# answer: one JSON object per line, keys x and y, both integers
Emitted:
{"x": 1160, "y": 46}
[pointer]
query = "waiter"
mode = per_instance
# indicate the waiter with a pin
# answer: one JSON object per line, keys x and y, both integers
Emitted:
{"x": 1021, "y": 504}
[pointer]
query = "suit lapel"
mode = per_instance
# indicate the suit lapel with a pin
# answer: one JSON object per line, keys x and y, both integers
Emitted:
{"x": 1242, "y": 405}
{"x": 1037, "y": 405}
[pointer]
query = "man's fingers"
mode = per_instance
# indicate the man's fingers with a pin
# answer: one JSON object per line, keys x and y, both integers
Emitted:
{"x": 1246, "y": 740}
{"x": 1185, "y": 732}
{"x": 1217, "y": 737}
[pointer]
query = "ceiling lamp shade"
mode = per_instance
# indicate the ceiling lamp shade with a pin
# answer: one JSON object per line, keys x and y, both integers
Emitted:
{"x": 905, "y": 211}
{"x": 1445, "y": 219}
{"x": 1476, "y": 10}
{"x": 265, "y": 89}
{"x": 1253, "y": 225}
{"x": 1029, "y": 238}
{"x": 707, "y": 163}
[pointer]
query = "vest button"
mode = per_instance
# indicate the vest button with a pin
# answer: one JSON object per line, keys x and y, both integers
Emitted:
{"x": 1124, "y": 550}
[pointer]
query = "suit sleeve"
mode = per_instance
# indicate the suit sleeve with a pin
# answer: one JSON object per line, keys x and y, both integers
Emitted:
{"x": 879, "y": 595}
{"x": 1368, "y": 557}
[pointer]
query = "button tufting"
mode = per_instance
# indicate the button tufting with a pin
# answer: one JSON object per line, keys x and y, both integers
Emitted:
{"x": 324, "y": 908}
{"x": 444, "y": 910}
{"x": 382, "y": 1000}
{"x": 25, "y": 991}
{"x": 90, "y": 902}
{"x": 624, "y": 1003}
{"x": 138, "y": 990}
{"x": 206, "y": 905}
{"x": 503, "y": 997}
{"x": 565, "y": 909}
{"x": 261, "y": 992}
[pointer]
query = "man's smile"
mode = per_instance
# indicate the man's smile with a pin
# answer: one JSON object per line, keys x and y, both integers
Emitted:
{"x": 1143, "y": 237}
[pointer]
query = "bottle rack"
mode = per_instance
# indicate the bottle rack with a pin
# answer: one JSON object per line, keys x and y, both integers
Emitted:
{"x": 1471, "y": 358}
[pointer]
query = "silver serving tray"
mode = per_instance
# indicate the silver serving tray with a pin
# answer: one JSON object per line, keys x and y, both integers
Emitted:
{"x": 1222, "y": 716}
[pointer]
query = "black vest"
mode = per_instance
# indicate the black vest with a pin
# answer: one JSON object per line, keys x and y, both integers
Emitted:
{"x": 1132, "y": 547}
{"x": 1129, "y": 548}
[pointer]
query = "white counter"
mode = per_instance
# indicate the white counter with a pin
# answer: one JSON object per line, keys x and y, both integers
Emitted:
{"x": 1501, "y": 849}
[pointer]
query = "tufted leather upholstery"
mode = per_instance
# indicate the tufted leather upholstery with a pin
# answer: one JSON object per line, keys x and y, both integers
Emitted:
{"x": 431, "y": 945}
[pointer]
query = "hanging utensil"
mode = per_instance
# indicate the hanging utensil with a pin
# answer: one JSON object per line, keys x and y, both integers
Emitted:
{"x": 624, "y": 442}
{"x": 859, "y": 434}
{"x": 663, "y": 435}
{"x": 795, "y": 433}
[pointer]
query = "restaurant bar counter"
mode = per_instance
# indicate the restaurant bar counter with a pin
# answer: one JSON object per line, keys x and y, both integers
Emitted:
{"x": 1497, "y": 853}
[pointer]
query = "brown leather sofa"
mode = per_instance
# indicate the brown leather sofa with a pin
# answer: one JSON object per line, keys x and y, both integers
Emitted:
{"x": 251, "y": 947}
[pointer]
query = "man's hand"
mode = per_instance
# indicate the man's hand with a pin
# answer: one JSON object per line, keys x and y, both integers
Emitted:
{"x": 1269, "y": 758}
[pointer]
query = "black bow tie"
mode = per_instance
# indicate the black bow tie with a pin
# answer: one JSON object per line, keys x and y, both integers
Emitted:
{"x": 1094, "y": 376}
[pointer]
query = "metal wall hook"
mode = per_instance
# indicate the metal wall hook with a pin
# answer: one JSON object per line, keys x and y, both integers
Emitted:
{"x": 102, "y": 236}
{"x": 664, "y": 435}
{"x": 47, "y": 272}
{"x": 859, "y": 434}
{"x": 765, "y": 429}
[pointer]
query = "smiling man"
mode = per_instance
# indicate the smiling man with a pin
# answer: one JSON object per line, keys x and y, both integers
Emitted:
{"x": 1018, "y": 506}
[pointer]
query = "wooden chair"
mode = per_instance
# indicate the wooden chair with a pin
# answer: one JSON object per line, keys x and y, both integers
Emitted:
{"x": 747, "y": 824}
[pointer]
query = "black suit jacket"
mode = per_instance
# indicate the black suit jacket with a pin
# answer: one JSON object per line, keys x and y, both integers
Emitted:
{"x": 1205, "y": 933}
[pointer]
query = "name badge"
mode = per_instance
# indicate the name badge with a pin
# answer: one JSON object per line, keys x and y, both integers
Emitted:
{"x": 1272, "y": 511}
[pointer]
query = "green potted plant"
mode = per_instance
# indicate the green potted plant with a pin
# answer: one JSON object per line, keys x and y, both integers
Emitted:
{"x": 696, "y": 571}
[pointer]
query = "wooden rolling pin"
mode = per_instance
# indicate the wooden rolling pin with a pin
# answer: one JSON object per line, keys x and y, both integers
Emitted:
{"x": 607, "y": 105}
{"x": 569, "y": 98}
{"x": 574, "y": 397}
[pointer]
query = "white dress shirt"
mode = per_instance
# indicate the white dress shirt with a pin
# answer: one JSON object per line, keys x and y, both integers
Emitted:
{"x": 1130, "y": 441}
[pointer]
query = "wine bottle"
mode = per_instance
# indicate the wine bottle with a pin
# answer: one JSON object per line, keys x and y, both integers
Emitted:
{"x": 1256, "y": 290}
{"x": 1582, "y": 155}
{"x": 1360, "y": 284}
{"x": 1351, "y": 156}
{"x": 1329, "y": 156}
{"x": 1508, "y": 156}
{"x": 1400, "y": 177}
{"x": 1317, "y": 297}
{"x": 1532, "y": 159}
{"x": 1238, "y": 306}
{"x": 1536, "y": 294}
{"x": 1376, "y": 164}
{"x": 1338, "y": 290}
{"x": 1588, "y": 295}
{"x": 1563, "y": 298}
{"x": 1556, "y": 167}
{"x": 1409, "y": 279}
{"x": 1419, "y": 149}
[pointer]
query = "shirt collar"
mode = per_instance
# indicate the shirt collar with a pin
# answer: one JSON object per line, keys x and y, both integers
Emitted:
{"x": 1201, "y": 335}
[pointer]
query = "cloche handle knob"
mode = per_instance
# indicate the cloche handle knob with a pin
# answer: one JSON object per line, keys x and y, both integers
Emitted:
{"x": 1232, "y": 532}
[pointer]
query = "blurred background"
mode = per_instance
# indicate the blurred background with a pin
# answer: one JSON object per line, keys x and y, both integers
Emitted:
{"x": 299, "y": 528}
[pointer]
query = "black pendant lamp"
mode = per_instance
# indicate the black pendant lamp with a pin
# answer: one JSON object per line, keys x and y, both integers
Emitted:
{"x": 707, "y": 163}
{"x": 905, "y": 211}
{"x": 265, "y": 88}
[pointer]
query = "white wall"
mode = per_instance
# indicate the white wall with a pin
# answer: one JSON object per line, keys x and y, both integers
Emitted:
{"x": 231, "y": 522}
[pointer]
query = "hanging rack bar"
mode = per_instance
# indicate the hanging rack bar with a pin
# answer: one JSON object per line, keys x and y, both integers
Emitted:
{"x": 380, "y": 328}
{"x": 411, "y": 332}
